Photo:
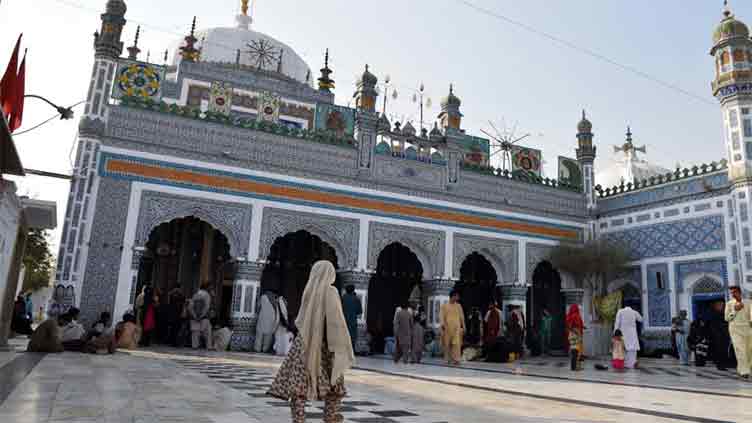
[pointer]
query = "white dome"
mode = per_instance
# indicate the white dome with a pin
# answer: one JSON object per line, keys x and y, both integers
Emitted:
{"x": 221, "y": 45}
{"x": 626, "y": 169}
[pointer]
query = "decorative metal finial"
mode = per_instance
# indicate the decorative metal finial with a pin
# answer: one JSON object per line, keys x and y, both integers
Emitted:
{"x": 237, "y": 57}
{"x": 279, "y": 62}
{"x": 629, "y": 134}
{"x": 148, "y": 56}
{"x": 326, "y": 58}
{"x": 451, "y": 88}
{"x": 583, "y": 114}
{"x": 133, "y": 50}
{"x": 193, "y": 27}
{"x": 244, "y": 7}
{"x": 166, "y": 54}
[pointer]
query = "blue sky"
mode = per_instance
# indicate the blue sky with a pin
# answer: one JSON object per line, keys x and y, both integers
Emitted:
{"x": 500, "y": 71}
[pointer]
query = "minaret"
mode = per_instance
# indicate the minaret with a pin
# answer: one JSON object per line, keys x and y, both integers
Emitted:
{"x": 586, "y": 157}
{"x": 366, "y": 120}
{"x": 732, "y": 86}
{"x": 450, "y": 116}
{"x": 77, "y": 227}
{"x": 365, "y": 93}
{"x": 326, "y": 84}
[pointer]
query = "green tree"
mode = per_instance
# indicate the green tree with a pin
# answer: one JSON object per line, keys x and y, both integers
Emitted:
{"x": 38, "y": 261}
{"x": 591, "y": 263}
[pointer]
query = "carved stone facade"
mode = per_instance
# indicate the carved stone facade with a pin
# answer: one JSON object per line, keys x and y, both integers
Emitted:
{"x": 428, "y": 245}
{"x": 534, "y": 255}
{"x": 245, "y": 292}
{"x": 500, "y": 252}
{"x": 233, "y": 220}
{"x": 339, "y": 232}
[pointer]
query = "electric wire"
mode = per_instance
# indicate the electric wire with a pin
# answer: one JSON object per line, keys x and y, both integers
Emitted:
{"x": 46, "y": 121}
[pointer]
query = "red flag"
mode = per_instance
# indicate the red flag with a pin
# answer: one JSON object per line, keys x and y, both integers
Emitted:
{"x": 19, "y": 92}
{"x": 8, "y": 83}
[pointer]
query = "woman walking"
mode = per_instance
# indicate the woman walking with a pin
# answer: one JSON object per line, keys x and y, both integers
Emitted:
{"x": 321, "y": 352}
{"x": 575, "y": 332}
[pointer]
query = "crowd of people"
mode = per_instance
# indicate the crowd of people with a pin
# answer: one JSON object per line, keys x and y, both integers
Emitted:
{"x": 723, "y": 335}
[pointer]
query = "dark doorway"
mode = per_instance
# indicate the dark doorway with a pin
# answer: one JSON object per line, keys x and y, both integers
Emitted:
{"x": 546, "y": 294}
{"x": 398, "y": 272}
{"x": 477, "y": 283}
{"x": 289, "y": 265}
{"x": 631, "y": 297}
{"x": 181, "y": 254}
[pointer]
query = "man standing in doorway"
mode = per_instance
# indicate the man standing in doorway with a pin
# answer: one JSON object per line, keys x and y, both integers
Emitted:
{"x": 199, "y": 310}
{"x": 452, "y": 328}
{"x": 353, "y": 309}
{"x": 682, "y": 332}
{"x": 626, "y": 321}
{"x": 545, "y": 331}
{"x": 739, "y": 316}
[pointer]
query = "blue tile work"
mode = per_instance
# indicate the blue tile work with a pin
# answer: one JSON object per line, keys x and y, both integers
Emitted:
{"x": 702, "y": 207}
{"x": 716, "y": 266}
{"x": 683, "y": 237}
{"x": 699, "y": 185}
{"x": 659, "y": 297}
{"x": 671, "y": 213}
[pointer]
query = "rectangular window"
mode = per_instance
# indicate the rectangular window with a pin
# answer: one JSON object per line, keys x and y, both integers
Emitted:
{"x": 733, "y": 118}
{"x": 731, "y": 208}
{"x": 743, "y": 212}
{"x": 745, "y": 236}
{"x": 745, "y": 110}
{"x": 747, "y": 128}
{"x": 660, "y": 284}
{"x": 735, "y": 254}
{"x": 732, "y": 229}
{"x": 748, "y": 259}
{"x": 736, "y": 141}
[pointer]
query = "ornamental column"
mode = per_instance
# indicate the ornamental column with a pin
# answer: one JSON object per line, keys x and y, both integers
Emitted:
{"x": 245, "y": 292}
{"x": 436, "y": 293}
{"x": 360, "y": 281}
{"x": 513, "y": 295}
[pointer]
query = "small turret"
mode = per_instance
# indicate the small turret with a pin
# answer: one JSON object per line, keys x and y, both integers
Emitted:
{"x": 189, "y": 51}
{"x": 450, "y": 116}
{"x": 326, "y": 83}
{"x": 133, "y": 50}
{"x": 366, "y": 94}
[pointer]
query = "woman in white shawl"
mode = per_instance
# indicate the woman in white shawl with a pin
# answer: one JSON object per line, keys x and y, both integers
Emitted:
{"x": 321, "y": 352}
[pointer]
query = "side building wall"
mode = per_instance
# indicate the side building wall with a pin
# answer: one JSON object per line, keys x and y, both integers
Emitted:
{"x": 683, "y": 241}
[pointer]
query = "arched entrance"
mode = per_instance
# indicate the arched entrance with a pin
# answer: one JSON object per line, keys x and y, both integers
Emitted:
{"x": 545, "y": 294}
{"x": 477, "y": 283}
{"x": 705, "y": 292}
{"x": 182, "y": 254}
{"x": 398, "y": 273}
{"x": 289, "y": 265}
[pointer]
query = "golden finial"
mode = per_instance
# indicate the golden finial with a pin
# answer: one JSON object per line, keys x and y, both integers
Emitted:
{"x": 244, "y": 7}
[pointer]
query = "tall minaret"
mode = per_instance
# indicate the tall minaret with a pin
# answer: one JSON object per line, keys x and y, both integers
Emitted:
{"x": 586, "y": 157}
{"x": 74, "y": 242}
{"x": 732, "y": 86}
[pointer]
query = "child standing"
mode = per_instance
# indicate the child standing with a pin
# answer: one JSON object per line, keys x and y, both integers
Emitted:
{"x": 617, "y": 351}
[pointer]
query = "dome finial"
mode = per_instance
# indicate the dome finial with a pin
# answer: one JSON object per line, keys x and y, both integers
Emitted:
{"x": 243, "y": 19}
{"x": 629, "y": 134}
{"x": 451, "y": 88}
{"x": 134, "y": 50}
{"x": 583, "y": 114}
{"x": 244, "y": 7}
{"x": 726, "y": 9}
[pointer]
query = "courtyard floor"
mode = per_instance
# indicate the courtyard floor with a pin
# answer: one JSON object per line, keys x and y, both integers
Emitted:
{"x": 170, "y": 385}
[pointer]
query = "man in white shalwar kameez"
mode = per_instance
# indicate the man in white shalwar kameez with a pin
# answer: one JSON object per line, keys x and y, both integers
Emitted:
{"x": 268, "y": 322}
{"x": 282, "y": 336}
{"x": 626, "y": 322}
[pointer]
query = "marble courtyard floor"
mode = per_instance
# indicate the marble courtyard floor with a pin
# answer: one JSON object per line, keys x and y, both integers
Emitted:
{"x": 170, "y": 385}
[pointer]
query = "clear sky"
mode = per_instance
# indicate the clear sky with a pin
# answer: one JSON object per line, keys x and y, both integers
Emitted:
{"x": 500, "y": 71}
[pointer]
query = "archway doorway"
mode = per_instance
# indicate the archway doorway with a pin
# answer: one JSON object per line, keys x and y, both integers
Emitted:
{"x": 705, "y": 292}
{"x": 398, "y": 273}
{"x": 631, "y": 297}
{"x": 179, "y": 256}
{"x": 289, "y": 264}
{"x": 545, "y": 294}
{"x": 477, "y": 284}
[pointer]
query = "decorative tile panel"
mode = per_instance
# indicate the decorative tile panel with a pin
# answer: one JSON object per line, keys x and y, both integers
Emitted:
{"x": 716, "y": 267}
{"x": 500, "y": 252}
{"x": 659, "y": 297}
{"x": 684, "y": 237}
